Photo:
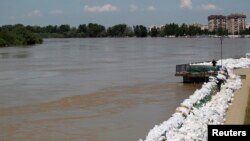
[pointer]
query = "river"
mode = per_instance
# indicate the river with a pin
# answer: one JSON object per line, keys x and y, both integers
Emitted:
{"x": 103, "y": 89}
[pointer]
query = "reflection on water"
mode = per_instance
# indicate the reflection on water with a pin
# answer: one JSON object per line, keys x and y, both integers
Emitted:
{"x": 97, "y": 89}
{"x": 5, "y": 55}
{"x": 108, "y": 114}
{"x": 19, "y": 54}
{"x": 22, "y": 55}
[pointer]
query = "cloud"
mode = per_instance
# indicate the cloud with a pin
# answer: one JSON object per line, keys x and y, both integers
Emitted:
{"x": 133, "y": 8}
{"x": 151, "y": 8}
{"x": 35, "y": 13}
{"x": 186, "y": 4}
{"x": 12, "y": 18}
{"x": 56, "y": 12}
{"x": 100, "y": 9}
{"x": 32, "y": 14}
{"x": 206, "y": 7}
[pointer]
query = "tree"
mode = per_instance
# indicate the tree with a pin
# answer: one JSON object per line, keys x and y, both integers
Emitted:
{"x": 154, "y": 32}
{"x": 18, "y": 35}
{"x": 183, "y": 30}
{"x": 3, "y": 43}
{"x": 140, "y": 31}
{"x": 245, "y": 32}
{"x": 7, "y": 27}
{"x": 82, "y": 29}
{"x": 205, "y": 32}
{"x": 221, "y": 31}
{"x": 96, "y": 30}
{"x": 129, "y": 32}
{"x": 35, "y": 29}
{"x": 50, "y": 29}
{"x": 64, "y": 28}
{"x": 171, "y": 29}
{"x": 194, "y": 30}
{"x": 119, "y": 30}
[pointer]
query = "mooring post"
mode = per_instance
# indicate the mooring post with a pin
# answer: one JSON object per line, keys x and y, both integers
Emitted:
{"x": 221, "y": 38}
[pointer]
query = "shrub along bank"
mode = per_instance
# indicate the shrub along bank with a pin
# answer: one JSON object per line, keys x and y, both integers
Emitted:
{"x": 18, "y": 35}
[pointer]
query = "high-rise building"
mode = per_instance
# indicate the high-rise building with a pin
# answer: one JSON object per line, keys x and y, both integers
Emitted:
{"x": 236, "y": 23}
{"x": 216, "y": 21}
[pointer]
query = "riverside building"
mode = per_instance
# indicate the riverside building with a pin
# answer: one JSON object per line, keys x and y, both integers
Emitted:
{"x": 234, "y": 23}
{"x": 216, "y": 21}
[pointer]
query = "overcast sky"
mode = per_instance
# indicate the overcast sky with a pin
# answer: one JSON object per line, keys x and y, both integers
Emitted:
{"x": 111, "y": 12}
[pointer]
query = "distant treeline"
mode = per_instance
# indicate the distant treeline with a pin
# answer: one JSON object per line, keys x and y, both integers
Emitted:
{"x": 18, "y": 35}
{"x": 120, "y": 30}
{"x": 26, "y": 35}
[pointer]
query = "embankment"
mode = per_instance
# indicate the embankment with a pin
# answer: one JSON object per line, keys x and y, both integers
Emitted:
{"x": 239, "y": 111}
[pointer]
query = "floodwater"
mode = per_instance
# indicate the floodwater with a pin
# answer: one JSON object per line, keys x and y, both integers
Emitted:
{"x": 98, "y": 89}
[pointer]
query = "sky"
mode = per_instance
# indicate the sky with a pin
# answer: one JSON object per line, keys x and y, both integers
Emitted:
{"x": 111, "y": 12}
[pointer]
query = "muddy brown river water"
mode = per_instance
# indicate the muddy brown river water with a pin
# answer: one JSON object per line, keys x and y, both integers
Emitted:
{"x": 98, "y": 89}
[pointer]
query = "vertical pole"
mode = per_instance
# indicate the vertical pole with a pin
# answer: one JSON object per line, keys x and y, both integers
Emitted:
{"x": 221, "y": 38}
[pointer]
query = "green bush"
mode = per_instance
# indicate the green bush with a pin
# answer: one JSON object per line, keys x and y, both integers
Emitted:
{"x": 18, "y": 35}
{"x": 2, "y": 43}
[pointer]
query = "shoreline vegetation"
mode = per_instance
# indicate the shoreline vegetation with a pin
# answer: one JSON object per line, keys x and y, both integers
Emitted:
{"x": 20, "y": 35}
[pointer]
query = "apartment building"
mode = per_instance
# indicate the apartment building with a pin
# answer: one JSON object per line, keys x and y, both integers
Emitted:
{"x": 234, "y": 23}
{"x": 216, "y": 21}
